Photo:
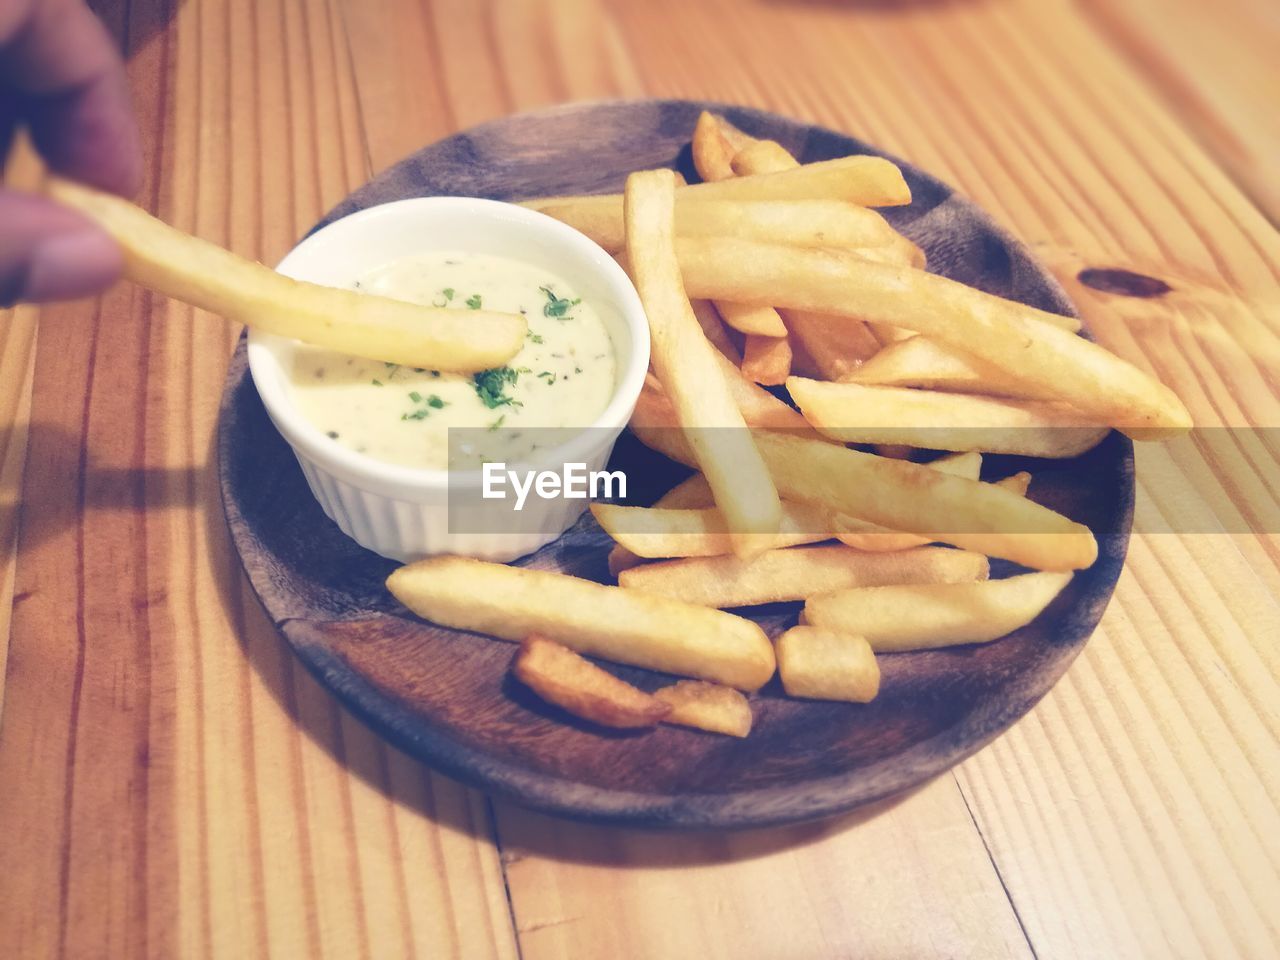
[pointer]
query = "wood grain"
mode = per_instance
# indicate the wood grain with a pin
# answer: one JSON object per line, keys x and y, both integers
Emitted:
{"x": 194, "y": 793}
{"x": 1214, "y": 68}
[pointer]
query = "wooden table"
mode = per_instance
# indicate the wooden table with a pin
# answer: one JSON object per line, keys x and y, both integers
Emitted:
{"x": 173, "y": 784}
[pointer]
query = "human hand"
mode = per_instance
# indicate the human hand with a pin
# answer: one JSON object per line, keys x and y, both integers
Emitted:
{"x": 61, "y": 76}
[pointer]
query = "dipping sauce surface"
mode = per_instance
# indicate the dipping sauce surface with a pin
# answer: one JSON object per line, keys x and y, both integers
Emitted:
{"x": 563, "y": 377}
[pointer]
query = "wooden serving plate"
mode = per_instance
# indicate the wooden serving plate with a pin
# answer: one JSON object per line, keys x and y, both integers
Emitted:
{"x": 445, "y": 695}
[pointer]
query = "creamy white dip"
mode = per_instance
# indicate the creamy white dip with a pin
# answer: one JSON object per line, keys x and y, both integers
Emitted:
{"x": 563, "y": 377}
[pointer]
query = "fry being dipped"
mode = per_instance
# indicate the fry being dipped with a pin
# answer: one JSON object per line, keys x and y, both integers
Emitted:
{"x": 195, "y": 271}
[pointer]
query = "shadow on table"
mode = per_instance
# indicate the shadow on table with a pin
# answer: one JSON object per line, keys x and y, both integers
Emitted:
{"x": 73, "y": 482}
{"x": 132, "y": 24}
{"x": 523, "y": 833}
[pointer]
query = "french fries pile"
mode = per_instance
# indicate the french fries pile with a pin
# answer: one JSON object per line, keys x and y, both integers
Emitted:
{"x": 771, "y": 273}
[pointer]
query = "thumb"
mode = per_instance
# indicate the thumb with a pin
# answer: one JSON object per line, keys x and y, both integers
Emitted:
{"x": 50, "y": 253}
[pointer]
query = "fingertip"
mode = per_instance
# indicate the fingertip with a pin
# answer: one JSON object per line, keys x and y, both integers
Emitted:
{"x": 71, "y": 264}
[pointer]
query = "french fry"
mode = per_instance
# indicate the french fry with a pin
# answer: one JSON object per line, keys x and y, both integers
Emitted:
{"x": 838, "y": 346}
{"x": 835, "y": 345}
{"x": 661, "y": 532}
{"x": 1019, "y": 483}
{"x": 692, "y": 493}
{"x": 900, "y": 495}
{"x": 689, "y": 494}
{"x": 888, "y": 334}
{"x": 762, "y": 156}
{"x": 769, "y": 156}
{"x": 919, "y": 617}
{"x": 704, "y": 311}
{"x": 706, "y": 706}
{"x": 687, "y": 368}
{"x": 852, "y": 413}
{"x": 871, "y": 537}
{"x": 759, "y": 407}
{"x": 797, "y": 573}
{"x": 738, "y": 139}
{"x": 766, "y": 360}
{"x": 560, "y": 676}
{"x": 1022, "y": 341}
{"x": 752, "y": 318}
{"x": 712, "y": 152}
{"x": 864, "y": 180}
{"x": 593, "y": 619}
{"x": 802, "y": 223}
{"x": 200, "y": 273}
{"x": 823, "y": 664}
{"x": 924, "y": 362}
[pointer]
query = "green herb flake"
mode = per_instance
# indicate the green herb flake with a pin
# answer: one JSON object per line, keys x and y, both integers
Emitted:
{"x": 415, "y": 396}
{"x": 491, "y": 386}
{"x": 446, "y": 295}
{"x": 548, "y": 376}
{"x": 557, "y": 307}
{"x": 535, "y": 338}
{"x": 435, "y": 402}
{"x": 497, "y": 423}
{"x": 376, "y": 383}
{"x": 474, "y": 301}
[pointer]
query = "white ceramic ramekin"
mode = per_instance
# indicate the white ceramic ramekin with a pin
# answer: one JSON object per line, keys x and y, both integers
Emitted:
{"x": 401, "y": 512}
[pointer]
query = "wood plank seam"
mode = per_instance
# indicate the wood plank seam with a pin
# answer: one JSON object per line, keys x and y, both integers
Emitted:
{"x": 995, "y": 867}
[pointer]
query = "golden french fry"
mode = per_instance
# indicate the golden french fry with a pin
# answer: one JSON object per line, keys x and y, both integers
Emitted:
{"x": 827, "y": 665}
{"x": 205, "y": 275}
{"x": 594, "y": 619}
{"x": 560, "y": 676}
{"x": 660, "y": 532}
{"x": 926, "y": 419}
{"x": 768, "y": 156}
{"x": 712, "y": 152}
{"x": 863, "y": 535}
{"x": 797, "y": 573}
{"x": 687, "y": 368}
{"x": 762, "y": 156}
{"x": 766, "y": 360}
{"x": 864, "y": 180}
{"x": 888, "y": 334}
{"x": 803, "y": 223}
{"x": 690, "y": 494}
{"x": 1019, "y": 483}
{"x": 758, "y": 406}
{"x": 900, "y": 495}
{"x": 924, "y": 362}
{"x": 838, "y": 346}
{"x": 923, "y": 616}
{"x": 1022, "y": 341}
{"x": 738, "y": 139}
{"x": 752, "y": 319}
{"x": 871, "y": 537}
{"x": 704, "y": 311}
{"x": 706, "y": 706}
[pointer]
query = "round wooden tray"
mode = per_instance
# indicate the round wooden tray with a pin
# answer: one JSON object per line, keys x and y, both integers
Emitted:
{"x": 444, "y": 695}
